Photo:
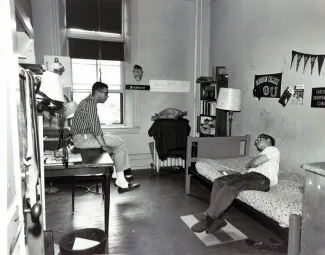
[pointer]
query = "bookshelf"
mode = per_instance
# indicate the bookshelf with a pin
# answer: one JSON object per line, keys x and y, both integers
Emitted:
{"x": 207, "y": 111}
{"x": 211, "y": 121}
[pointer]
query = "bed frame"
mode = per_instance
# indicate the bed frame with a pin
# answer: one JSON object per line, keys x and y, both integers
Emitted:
{"x": 220, "y": 148}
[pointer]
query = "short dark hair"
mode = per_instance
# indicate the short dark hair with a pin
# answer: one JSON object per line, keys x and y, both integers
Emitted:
{"x": 268, "y": 137}
{"x": 137, "y": 67}
{"x": 98, "y": 86}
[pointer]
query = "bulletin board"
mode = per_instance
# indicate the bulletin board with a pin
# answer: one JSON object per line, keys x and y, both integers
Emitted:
{"x": 169, "y": 86}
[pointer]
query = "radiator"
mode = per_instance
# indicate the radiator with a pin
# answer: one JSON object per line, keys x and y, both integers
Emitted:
{"x": 169, "y": 162}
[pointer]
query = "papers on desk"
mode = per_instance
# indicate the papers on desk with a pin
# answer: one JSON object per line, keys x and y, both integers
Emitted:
{"x": 50, "y": 159}
{"x": 81, "y": 243}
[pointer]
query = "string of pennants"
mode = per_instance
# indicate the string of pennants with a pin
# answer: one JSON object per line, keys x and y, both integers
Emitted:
{"x": 306, "y": 57}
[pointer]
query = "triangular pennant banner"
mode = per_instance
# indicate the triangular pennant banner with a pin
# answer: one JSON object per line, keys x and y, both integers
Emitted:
{"x": 312, "y": 62}
{"x": 298, "y": 60}
{"x": 306, "y": 58}
{"x": 320, "y": 62}
{"x": 294, "y": 53}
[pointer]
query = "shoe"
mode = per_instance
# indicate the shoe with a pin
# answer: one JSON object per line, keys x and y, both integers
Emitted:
{"x": 275, "y": 246}
{"x": 216, "y": 225}
{"x": 129, "y": 188}
{"x": 202, "y": 225}
{"x": 128, "y": 178}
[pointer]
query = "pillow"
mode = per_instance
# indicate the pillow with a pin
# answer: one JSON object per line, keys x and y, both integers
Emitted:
{"x": 233, "y": 164}
{"x": 169, "y": 113}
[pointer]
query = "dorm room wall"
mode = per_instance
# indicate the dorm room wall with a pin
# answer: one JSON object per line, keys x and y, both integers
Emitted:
{"x": 165, "y": 48}
{"x": 166, "y": 51}
{"x": 256, "y": 37}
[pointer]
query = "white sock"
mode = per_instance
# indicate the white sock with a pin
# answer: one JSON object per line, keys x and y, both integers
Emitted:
{"x": 114, "y": 173}
{"x": 120, "y": 180}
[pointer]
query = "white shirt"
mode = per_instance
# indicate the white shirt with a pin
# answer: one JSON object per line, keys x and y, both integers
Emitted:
{"x": 270, "y": 169}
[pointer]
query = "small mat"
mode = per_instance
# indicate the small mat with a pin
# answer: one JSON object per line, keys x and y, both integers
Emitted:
{"x": 225, "y": 235}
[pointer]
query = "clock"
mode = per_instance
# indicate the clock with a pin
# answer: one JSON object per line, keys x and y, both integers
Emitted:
{"x": 205, "y": 129}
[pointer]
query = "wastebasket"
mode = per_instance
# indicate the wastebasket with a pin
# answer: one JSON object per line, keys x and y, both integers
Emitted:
{"x": 66, "y": 242}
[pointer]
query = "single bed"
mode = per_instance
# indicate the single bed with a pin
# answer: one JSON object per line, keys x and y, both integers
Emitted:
{"x": 208, "y": 157}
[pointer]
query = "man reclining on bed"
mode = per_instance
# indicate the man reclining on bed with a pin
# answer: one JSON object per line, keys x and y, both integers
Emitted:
{"x": 262, "y": 173}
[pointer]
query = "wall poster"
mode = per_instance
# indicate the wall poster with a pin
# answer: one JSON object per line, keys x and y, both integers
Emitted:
{"x": 268, "y": 85}
{"x": 318, "y": 97}
{"x": 62, "y": 66}
{"x": 298, "y": 95}
{"x": 286, "y": 95}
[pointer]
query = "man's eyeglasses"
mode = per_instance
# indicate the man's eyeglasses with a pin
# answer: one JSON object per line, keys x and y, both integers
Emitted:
{"x": 261, "y": 137}
{"x": 104, "y": 92}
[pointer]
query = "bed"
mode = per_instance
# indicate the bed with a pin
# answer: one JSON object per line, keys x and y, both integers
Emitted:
{"x": 208, "y": 157}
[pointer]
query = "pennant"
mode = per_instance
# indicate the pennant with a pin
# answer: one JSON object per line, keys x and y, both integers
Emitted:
{"x": 298, "y": 60}
{"x": 306, "y": 58}
{"x": 294, "y": 53}
{"x": 320, "y": 62}
{"x": 312, "y": 62}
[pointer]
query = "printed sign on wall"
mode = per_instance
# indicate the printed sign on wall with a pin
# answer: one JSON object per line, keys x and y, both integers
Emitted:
{"x": 268, "y": 85}
{"x": 137, "y": 87}
{"x": 318, "y": 98}
{"x": 298, "y": 95}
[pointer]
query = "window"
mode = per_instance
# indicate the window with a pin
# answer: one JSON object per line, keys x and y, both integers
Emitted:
{"x": 97, "y": 28}
{"x": 85, "y": 72}
{"x": 95, "y": 15}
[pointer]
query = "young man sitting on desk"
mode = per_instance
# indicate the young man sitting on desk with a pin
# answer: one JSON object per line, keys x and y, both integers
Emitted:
{"x": 87, "y": 133}
{"x": 262, "y": 173}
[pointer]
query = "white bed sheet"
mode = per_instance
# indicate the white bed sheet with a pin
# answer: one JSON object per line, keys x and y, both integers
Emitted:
{"x": 279, "y": 203}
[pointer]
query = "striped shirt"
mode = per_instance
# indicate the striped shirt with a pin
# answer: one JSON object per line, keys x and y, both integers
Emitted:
{"x": 86, "y": 120}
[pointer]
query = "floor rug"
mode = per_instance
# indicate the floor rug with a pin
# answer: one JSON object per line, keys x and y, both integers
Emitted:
{"x": 225, "y": 235}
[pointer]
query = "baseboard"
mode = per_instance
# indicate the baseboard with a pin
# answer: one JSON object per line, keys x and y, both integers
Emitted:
{"x": 140, "y": 161}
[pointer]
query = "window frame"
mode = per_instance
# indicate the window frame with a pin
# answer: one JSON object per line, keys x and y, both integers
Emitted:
{"x": 120, "y": 91}
{"x": 130, "y": 98}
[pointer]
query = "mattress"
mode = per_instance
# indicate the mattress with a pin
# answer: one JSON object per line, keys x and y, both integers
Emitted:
{"x": 279, "y": 203}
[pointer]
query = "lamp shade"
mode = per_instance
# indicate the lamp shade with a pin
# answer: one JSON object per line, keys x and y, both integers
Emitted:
{"x": 51, "y": 86}
{"x": 229, "y": 99}
{"x": 70, "y": 109}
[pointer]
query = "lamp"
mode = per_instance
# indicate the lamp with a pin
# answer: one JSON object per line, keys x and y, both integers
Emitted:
{"x": 229, "y": 100}
{"x": 49, "y": 94}
{"x": 51, "y": 86}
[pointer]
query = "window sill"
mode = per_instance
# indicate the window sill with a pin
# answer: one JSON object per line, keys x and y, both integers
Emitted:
{"x": 121, "y": 129}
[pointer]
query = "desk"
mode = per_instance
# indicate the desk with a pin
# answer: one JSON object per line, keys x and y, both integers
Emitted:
{"x": 313, "y": 217}
{"x": 94, "y": 161}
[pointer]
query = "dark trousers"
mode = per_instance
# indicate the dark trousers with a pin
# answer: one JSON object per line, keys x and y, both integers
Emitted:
{"x": 226, "y": 188}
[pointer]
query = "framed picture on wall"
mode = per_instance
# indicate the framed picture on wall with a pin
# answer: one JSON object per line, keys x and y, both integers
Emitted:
{"x": 62, "y": 66}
